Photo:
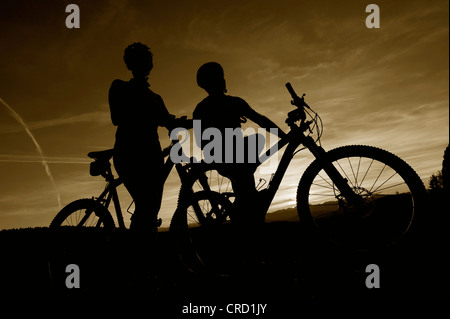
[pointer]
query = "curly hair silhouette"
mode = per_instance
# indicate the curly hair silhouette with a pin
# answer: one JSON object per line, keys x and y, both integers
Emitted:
{"x": 138, "y": 58}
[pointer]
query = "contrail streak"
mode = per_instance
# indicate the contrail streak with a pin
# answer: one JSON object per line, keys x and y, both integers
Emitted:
{"x": 36, "y": 144}
{"x": 5, "y": 158}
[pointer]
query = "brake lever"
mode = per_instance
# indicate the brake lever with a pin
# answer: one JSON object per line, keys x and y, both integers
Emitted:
{"x": 305, "y": 125}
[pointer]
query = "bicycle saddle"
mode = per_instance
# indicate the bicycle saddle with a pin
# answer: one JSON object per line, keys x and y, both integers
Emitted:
{"x": 101, "y": 155}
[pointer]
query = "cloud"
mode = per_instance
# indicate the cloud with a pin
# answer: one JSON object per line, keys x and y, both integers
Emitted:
{"x": 268, "y": 70}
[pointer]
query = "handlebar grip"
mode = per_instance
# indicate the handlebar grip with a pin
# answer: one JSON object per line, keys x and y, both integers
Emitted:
{"x": 298, "y": 101}
{"x": 291, "y": 90}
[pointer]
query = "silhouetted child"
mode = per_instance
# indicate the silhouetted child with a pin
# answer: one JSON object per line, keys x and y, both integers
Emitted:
{"x": 137, "y": 112}
{"x": 222, "y": 111}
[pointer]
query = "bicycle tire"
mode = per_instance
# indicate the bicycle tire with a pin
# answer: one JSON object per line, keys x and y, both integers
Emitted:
{"x": 81, "y": 244}
{"x": 67, "y": 215}
{"x": 199, "y": 235}
{"x": 385, "y": 217}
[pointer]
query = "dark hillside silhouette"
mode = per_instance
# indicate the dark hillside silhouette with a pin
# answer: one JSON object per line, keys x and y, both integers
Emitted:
{"x": 295, "y": 267}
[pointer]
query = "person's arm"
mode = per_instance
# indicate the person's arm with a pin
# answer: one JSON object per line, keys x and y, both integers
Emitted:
{"x": 170, "y": 121}
{"x": 262, "y": 121}
{"x": 165, "y": 119}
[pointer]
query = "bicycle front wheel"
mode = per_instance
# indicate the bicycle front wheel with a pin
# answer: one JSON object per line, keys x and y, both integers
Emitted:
{"x": 391, "y": 191}
{"x": 201, "y": 228}
{"x": 210, "y": 179}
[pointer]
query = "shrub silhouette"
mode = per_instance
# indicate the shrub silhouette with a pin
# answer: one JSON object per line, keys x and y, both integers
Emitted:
{"x": 445, "y": 171}
{"x": 439, "y": 181}
{"x": 435, "y": 183}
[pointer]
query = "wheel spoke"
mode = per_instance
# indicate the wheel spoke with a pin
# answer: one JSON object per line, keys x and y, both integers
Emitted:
{"x": 370, "y": 190}
{"x": 357, "y": 172}
{"x": 323, "y": 186}
{"x": 368, "y": 169}
{"x": 321, "y": 194}
{"x": 343, "y": 171}
{"x": 87, "y": 214}
{"x": 378, "y": 188}
{"x": 326, "y": 181}
{"x": 353, "y": 172}
{"x": 391, "y": 186}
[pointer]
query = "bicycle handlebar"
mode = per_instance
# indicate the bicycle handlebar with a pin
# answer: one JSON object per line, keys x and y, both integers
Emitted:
{"x": 297, "y": 101}
{"x": 291, "y": 90}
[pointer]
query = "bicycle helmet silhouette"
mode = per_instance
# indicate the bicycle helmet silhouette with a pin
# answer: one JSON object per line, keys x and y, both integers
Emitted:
{"x": 210, "y": 76}
{"x": 138, "y": 57}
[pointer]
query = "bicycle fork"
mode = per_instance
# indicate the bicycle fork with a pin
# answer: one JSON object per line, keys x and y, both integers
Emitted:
{"x": 340, "y": 182}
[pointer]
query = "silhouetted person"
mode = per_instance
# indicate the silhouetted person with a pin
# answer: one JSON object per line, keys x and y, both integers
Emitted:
{"x": 137, "y": 112}
{"x": 223, "y": 111}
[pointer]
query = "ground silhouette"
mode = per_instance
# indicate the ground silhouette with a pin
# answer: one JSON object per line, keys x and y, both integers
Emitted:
{"x": 293, "y": 266}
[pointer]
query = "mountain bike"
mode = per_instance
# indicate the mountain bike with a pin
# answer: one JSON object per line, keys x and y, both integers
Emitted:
{"x": 84, "y": 227}
{"x": 356, "y": 197}
{"x": 90, "y": 219}
{"x": 94, "y": 212}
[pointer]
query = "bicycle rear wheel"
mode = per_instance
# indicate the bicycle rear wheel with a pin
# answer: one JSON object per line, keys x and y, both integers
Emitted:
{"x": 392, "y": 195}
{"x": 84, "y": 213}
{"x": 80, "y": 231}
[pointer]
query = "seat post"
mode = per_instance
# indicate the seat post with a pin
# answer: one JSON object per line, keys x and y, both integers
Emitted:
{"x": 108, "y": 175}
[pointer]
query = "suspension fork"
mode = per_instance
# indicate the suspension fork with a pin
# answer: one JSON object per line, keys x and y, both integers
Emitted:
{"x": 341, "y": 183}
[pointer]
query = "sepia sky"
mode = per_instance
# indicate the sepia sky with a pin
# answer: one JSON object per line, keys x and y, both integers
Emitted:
{"x": 386, "y": 87}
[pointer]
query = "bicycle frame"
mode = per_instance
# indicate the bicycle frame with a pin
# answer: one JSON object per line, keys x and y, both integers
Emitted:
{"x": 110, "y": 193}
{"x": 293, "y": 139}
